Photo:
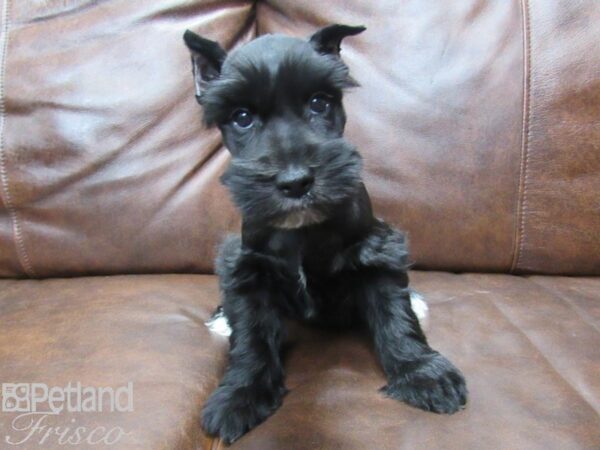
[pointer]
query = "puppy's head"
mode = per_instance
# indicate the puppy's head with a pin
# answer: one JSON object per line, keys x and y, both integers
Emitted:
{"x": 278, "y": 103}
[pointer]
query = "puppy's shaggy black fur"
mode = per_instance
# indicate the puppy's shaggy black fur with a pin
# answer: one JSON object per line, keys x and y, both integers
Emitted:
{"x": 310, "y": 248}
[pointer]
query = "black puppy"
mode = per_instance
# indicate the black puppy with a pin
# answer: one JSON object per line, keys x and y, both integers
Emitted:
{"x": 310, "y": 248}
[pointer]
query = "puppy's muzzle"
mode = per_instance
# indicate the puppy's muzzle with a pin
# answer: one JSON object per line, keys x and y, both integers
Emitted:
{"x": 295, "y": 181}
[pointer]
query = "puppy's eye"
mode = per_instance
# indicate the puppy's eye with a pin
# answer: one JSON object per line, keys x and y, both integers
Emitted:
{"x": 242, "y": 118}
{"x": 319, "y": 103}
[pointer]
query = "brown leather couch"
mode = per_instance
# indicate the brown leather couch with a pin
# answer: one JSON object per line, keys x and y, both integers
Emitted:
{"x": 479, "y": 121}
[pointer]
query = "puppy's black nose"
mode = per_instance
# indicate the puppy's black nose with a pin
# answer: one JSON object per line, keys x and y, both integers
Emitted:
{"x": 295, "y": 181}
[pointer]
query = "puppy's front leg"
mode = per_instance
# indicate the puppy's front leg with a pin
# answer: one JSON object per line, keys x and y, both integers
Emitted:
{"x": 253, "y": 385}
{"x": 417, "y": 374}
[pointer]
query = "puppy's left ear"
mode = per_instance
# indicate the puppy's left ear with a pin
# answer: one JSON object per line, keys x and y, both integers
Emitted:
{"x": 207, "y": 59}
{"x": 327, "y": 40}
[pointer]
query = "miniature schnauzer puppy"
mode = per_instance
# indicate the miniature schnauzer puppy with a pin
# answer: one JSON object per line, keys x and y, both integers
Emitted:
{"x": 310, "y": 247}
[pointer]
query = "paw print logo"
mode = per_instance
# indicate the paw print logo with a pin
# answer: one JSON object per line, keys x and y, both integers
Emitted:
{"x": 16, "y": 397}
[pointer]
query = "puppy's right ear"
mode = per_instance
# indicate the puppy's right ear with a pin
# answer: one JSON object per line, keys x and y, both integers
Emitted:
{"x": 207, "y": 59}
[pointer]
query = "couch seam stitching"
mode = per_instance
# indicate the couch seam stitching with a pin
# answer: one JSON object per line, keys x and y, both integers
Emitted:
{"x": 8, "y": 199}
{"x": 521, "y": 207}
{"x": 256, "y": 25}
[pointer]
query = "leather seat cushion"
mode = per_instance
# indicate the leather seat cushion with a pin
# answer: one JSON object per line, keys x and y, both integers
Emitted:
{"x": 108, "y": 331}
{"x": 528, "y": 347}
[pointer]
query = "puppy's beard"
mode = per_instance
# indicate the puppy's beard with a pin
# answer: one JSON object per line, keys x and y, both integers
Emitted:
{"x": 299, "y": 218}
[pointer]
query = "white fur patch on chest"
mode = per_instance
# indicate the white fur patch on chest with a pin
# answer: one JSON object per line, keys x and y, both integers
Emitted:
{"x": 301, "y": 218}
{"x": 301, "y": 276}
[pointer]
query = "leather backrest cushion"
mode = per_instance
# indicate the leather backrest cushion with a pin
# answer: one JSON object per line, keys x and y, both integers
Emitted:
{"x": 478, "y": 122}
{"x": 107, "y": 167}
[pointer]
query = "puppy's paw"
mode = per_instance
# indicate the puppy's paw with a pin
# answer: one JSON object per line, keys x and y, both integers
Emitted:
{"x": 231, "y": 412}
{"x": 434, "y": 385}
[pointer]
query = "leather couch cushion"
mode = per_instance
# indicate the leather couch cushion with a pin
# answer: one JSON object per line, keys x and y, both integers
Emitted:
{"x": 477, "y": 120}
{"x": 106, "y": 167}
{"x": 478, "y": 123}
{"x": 107, "y": 332}
{"x": 528, "y": 347}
